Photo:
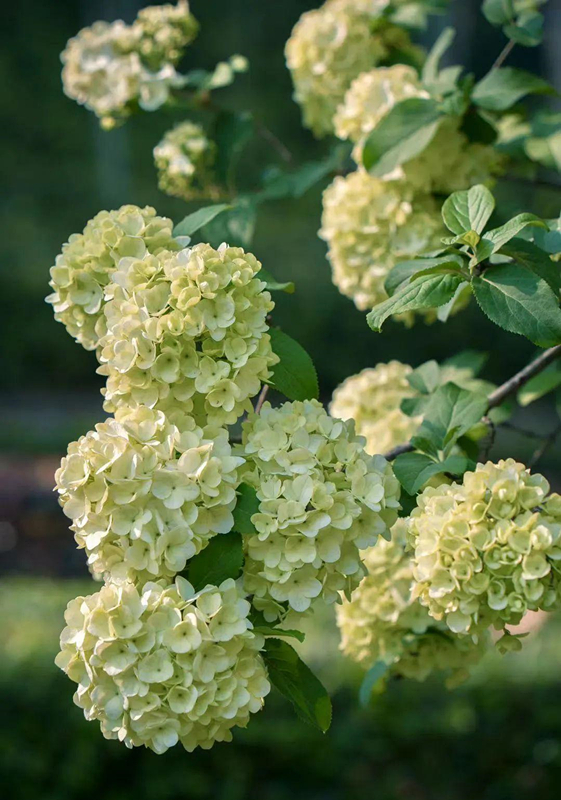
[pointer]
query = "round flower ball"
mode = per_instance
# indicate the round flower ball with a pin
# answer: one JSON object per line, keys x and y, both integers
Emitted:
{"x": 88, "y": 260}
{"x": 322, "y": 500}
{"x": 370, "y": 225}
{"x": 166, "y": 31}
{"x": 164, "y": 664}
{"x": 383, "y": 623}
{"x": 487, "y": 550}
{"x": 329, "y": 47}
{"x": 185, "y": 160}
{"x": 145, "y": 494}
{"x": 188, "y": 330}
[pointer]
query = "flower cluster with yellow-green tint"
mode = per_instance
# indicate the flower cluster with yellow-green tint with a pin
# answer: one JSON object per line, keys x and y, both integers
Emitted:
{"x": 330, "y": 47}
{"x": 185, "y": 159}
{"x": 487, "y": 550}
{"x": 158, "y": 665}
{"x": 382, "y": 622}
{"x": 145, "y": 492}
{"x": 88, "y": 260}
{"x": 322, "y": 500}
{"x": 187, "y": 330}
{"x": 111, "y": 68}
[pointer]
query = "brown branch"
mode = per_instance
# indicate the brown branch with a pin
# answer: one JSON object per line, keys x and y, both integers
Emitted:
{"x": 503, "y": 55}
{"x": 268, "y": 135}
{"x": 262, "y": 397}
{"x": 500, "y": 395}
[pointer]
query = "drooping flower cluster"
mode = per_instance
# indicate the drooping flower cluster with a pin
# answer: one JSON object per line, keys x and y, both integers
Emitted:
{"x": 187, "y": 329}
{"x": 322, "y": 500}
{"x": 88, "y": 260}
{"x": 370, "y": 224}
{"x": 112, "y": 67}
{"x": 488, "y": 549}
{"x": 185, "y": 160}
{"x": 163, "y": 665}
{"x": 146, "y": 493}
{"x": 383, "y": 623}
{"x": 330, "y": 47}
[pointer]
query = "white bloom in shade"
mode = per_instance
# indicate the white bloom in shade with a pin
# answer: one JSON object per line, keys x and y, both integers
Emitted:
{"x": 488, "y": 549}
{"x": 330, "y": 47}
{"x": 88, "y": 260}
{"x": 370, "y": 225}
{"x": 383, "y": 623}
{"x": 111, "y": 67}
{"x": 161, "y": 665}
{"x": 145, "y": 494}
{"x": 187, "y": 331}
{"x": 185, "y": 161}
{"x": 322, "y": 501}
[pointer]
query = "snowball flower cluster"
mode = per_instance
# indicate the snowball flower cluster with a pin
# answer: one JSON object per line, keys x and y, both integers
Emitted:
{"x": 371, "y": 224}
{"x": 164, "y": 665}
{"x": 332, "y": 45}
{"x": 372, "y": 399}
{"x": 112, "y": 67}
{"x": 185, "y": 160}
{"x": 145, "y": 494}
{"x": 89, "y": 259}
{"x": 487, "y": 550}
{"x": 382, "y": 621}
{"x": 187, "y": 329}
{"x": 322, "y": 501}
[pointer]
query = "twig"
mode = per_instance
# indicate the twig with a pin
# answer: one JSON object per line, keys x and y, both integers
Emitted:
{"x": 500, "y": 395}
{"x": 504, "y": 54}
{"x": 262, "y": 397}
{"x": 545, "y": 445}
{"x": 275, "y": 142}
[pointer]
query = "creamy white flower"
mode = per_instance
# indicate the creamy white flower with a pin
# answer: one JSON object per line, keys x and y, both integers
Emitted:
{"x": 163, "y": 665}
{"x": 185, "y": 161}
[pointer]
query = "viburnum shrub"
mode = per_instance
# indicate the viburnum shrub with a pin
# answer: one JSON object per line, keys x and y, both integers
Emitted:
{"x": 212, "y": 549}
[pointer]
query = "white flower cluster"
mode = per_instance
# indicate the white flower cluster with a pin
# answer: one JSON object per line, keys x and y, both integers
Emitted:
{"x": 322, "y": 500}
{"x": 187, "y": 330}
{"x": 488, "y": 549}
{"x": 185, "y": 160}
{"x": 370, "y": 224}
{"x": 164, "y": 665}
{"x": 383, "y": 623}
{"x": 88, "y": 260}
{"x": 112, "y": 67}
{"x": 330, "y": 47}
{"x": 145, "y": 494}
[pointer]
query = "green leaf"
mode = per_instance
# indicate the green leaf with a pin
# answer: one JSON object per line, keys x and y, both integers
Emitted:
{"x": 425, "y": 378}
{"x": 502, "y": 88}
{"x": 193, "y": 222}
{"x": 478, "y": 129}
{"x": 298, "y": 684}
{"x": 221, "y": 559}
{"x": 540, "y": 385}
{"x": 405, "y": 270}
{"x": 498, "y": 12}
{"x": 372, "y": 677}
{"x": 516, "y": 299}
{"x": 527, "y": 30}
{"x": 235, "y": 227}
{"x": 498, "y": 237}
{"x": 275, "y": 286}
{"x": 443, "y": 312}
{"x": 536, "y": 260}
{"x": 279, "y": 633}
{"x": 468, "y": 359}
{"x": 279, "y": 184}
{"x": 467, "y": 211}
{"x": 426, "y": 291}
{"x": 295, "y": 375}
{"x": 402, "y": 133}
{"x": 247, "y": 504}
{"x": 429, "y": 74}
{"x": 450, "y": 412}
{"x": 413, "y": 470}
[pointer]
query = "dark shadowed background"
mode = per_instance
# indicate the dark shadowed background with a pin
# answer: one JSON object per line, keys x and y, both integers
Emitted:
{"x": 500, "y": 736}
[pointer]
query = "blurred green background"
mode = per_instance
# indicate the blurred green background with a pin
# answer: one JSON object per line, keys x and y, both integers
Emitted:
{"x": 498, "y": 738}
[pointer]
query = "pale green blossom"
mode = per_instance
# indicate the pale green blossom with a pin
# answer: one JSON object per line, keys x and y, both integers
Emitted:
{"x": 162, "y": 664}
{"x": 88, "y": 260}
{"x": 146, "y": 493}
{"x": 185, "y": 160}
{"x": 322, "y": 501}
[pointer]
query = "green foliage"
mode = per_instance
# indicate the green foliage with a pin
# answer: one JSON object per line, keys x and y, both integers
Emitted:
{"x": 279, "y": 633}
{"x": 502, "y": 88}
{"x": 236, "y": 226}
{"x": 425, "y": 291}
{"x": 247, "y": 505}
{"x": 436, "y": 81}
{"x": 198, "y": 219}
{"x": 468, "y": 211}
{"x": 279, "y": 184}
{"x": 413, "y": 470}
{"x": 495, "y": 239}
{"x": 536, "y": 260}
{"x": 372, "y": 678}
{"x": 520, "y": 20}
{"x": 540, "y": 385}
{"x": 295, "y": 375}
{"x": 405, "y": 270}
{"x": 274, "y": 286}
{"x": 221, "y": 559}
{"x": 298, "y": 684}
{"x": 402, "y": 133}
{"x": 450, "y": 412}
